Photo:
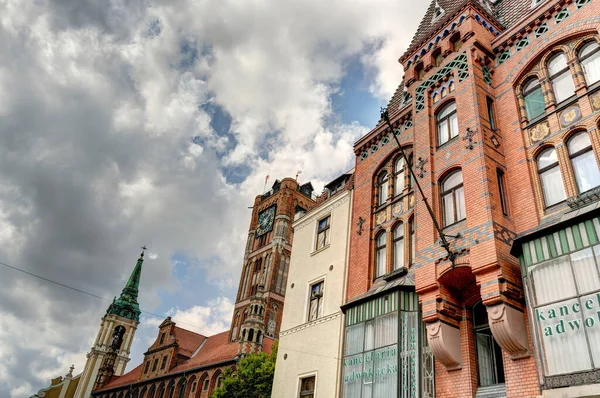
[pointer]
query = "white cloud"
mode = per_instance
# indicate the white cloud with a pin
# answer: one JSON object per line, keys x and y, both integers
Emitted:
{"x": 99, "y": 104}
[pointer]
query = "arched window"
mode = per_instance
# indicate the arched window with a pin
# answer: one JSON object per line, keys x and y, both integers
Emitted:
{"x": 453, "y": 198}
{"x": 436, "y": 98}
{"x": 399, "y": 168}
{"x": 399, "y": 246}
{"x": 380, "y": 257}
{"x": 382, "y": 188}
{"x": 552, "y": 183}
{"x": 447, "y": 123}
{"x": 589, "y": 58}
{"x": 584, "y": 162}
{"x": 560, "y": 76}
{"x": 534, "y": 98}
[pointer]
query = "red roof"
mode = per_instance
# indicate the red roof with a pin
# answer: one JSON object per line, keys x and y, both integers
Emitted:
{"x": 188, "y": 341}
{"x": 127, "y": 378}
{"x": 215, "y": 349}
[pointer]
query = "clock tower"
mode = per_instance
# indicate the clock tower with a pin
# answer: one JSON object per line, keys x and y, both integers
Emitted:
{"x": 261, "y": 291}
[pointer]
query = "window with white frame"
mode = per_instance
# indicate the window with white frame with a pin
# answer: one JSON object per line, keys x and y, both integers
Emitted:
{"x": 382, "y": 188}
{"x": 399, "y": 246}
{"x": 399, "y": 168}
{"x": 323, "y": 232}
{"x": 560, "y": 77}
{"x": 447, "y": 123}
{"x": 589, "y": 58}
{"x": 550, "y": 177}
{"x": 315, "y": 306}
{"x": 534, "y": 99}
{"x": 584, "y": 162}
{"x": 380, "y": 254}
{"x": 453, "y": 198}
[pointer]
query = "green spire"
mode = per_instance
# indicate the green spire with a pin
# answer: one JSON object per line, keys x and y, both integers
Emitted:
{"x": 126, "y": 305}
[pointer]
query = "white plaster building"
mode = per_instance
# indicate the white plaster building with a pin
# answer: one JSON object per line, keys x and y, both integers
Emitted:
{"x": 308, "y": 361}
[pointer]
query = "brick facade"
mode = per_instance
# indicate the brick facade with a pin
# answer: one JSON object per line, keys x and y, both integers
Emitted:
{"x": 476, "y": 55}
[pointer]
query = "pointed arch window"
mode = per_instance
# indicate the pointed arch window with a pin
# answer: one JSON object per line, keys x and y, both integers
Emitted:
{"x": 550, "y": 177}
{"x": 560, "y": 77}
{"x": 399, "y": 246}
{"x": 453, "y": 198}
{"x": 382, "y": 188}
{"x": 589, "y": 58}
{"x": 534, "y": 98}
{"x": 584, "y": 162}
{"x": 380, "y": 254}
{"x": 399, "y": 176}
{"x": 411, "y": 237}
{"x": 447, "y": 123}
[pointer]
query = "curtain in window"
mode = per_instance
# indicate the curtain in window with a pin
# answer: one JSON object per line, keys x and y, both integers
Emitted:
{"x": 355, "y": 335}
{"x": 381, "y": 255}
{"x": 562, "y": 81}
{"x": 589, "y": 58}
{"x": 584, "y": 162}
{"x": 386, "y": 380}
{"x": 386, "y": 330}
{"x": 399, "y": 181}
{"x": 534, "y": 99}
{"x": 399, "y": 246}
{"x": 383, "y": 188}
{"x": 552, "y": 184}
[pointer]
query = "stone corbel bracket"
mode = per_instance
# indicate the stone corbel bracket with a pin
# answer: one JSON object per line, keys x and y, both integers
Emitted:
{"x": 509, "y": 330}
{"x": 444, "y": 341}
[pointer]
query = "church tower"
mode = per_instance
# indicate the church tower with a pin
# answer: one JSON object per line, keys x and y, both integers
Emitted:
{"x": 261, "y": 291}
{"x": 110, "y": 353}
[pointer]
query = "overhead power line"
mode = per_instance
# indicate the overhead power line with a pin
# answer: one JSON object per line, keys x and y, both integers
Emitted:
{"x": 86, "y": 293}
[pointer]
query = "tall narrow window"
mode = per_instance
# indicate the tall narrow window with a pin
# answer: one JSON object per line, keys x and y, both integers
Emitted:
{"x": 399, "y": 168}
{"x": 453, "y": 198}
{"x": 584, "y": 162}
{"x": 560, "y": 76}
{"x": 413, "y": 246}
{"x": 502, "y": 191}
{"x": 323, "y": 233}
{"x": 491, "y": 114}
{"x": 589, "y": 58}
{"x": 162, "y": 338}
{"x": 534, "y": 99}
{"x": 447, "y": 123}
{"x": 315, "y": 309}
{"x": 382, "y": 188}
{"x": 489, "y": 354}
{"x": 552, "y": 183}
{"x": 164, "y": 362}
{"x": 205, "y": 386}
{"x": 155, "y": 365}
{"x": 307, "y": 387}
{"x": 380, "y": 255}
{"x": 399, "y": 246}
{"x": 147, "y": 367}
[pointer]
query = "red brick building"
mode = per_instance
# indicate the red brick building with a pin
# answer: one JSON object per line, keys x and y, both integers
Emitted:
{"x": 498, "y": 114}
{"x": 184, "y": 364}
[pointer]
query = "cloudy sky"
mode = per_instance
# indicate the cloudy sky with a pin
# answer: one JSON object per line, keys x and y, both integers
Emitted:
{"x": 130, "y": 123}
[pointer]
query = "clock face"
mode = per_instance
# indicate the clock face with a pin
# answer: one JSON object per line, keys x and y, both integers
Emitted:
{"x": 265, "y": 221}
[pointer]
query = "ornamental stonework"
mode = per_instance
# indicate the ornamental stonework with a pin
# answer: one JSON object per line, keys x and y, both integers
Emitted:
{"x": 570, "y": 115}
{"x": 595, "y": 100}
{"x": 539, "y": 131}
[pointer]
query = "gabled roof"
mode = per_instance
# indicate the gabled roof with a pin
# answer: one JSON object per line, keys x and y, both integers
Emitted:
{"x": 216, "y": 349}
{"x": 188, "y": 341}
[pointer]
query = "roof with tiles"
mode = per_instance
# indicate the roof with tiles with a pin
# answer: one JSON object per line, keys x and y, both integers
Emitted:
{"x": 127, "y": 378}
{"x": 506, "y": 12}
{"x": 188, "y": 341}
{"x": 216, "y": 349}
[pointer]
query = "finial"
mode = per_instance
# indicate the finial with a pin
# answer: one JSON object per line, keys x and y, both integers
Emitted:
{"x": 70, "y": 374}
{"x": 144, "y": 248}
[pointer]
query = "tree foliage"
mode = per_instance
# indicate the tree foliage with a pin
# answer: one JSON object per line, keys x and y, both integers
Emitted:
{"x": 253, "y": 377}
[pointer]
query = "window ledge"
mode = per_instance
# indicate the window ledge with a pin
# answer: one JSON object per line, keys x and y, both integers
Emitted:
{"x": 395, "y": 274}
{"x": 454, "y": 226}
{"x": 321, "y": 249}
{"x": 584, "y": 199}
{"x": 451, "y": 140}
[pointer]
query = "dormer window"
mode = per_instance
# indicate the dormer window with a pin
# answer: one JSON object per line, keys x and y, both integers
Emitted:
{"x": 438, "y": 11}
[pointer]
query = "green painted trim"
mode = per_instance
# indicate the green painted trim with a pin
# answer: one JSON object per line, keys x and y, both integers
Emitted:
{"x": 526, "y": 254}
{"x": 538, "y": 250}
{"x": 551, "y": 246}
{"x": 563, "y": 241}
{"x": 577, "y": 237}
